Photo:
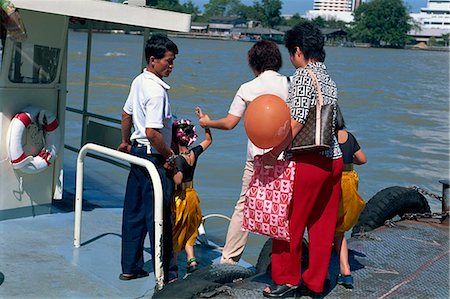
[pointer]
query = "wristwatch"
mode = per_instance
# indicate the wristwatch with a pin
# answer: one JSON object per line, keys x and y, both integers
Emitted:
{"x": 171, "y": 158}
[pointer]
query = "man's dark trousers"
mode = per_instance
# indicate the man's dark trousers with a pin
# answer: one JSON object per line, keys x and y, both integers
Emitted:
{"x": 138, "y": 215}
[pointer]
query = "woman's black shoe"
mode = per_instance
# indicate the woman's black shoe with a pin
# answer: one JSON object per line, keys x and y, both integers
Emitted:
{"x": 280, "y": 291}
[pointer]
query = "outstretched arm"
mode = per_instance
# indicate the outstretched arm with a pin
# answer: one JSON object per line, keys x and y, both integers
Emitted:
{"x": 208, "y": 136}
{"x": 226, "y": 123}
{"x": 271, "y": 156}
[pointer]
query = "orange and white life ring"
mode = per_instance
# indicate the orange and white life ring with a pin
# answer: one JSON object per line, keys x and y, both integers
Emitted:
{"x": 49, "y": 124}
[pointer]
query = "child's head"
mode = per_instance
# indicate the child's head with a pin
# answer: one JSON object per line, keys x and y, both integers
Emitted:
{"x": 184, "y": 132}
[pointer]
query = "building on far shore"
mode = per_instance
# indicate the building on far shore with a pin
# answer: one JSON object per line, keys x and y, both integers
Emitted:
{"x": 339, "y": 10}
{"x": 224, "y": 25}
{"x": 433, "y": 20}
{"x": 257, "y": 33}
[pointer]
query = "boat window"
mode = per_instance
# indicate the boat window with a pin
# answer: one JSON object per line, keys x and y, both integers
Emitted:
{"x": 33, "y": 63}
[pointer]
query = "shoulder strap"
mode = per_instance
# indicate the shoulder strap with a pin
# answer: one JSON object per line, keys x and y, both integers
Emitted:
{"x": 316, "y": 84}
{"x": 319, "y": 105}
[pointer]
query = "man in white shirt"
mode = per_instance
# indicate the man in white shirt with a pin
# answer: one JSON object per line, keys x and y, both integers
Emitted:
{"x": 264, "y": 59}
{"x": 147, "y": 110}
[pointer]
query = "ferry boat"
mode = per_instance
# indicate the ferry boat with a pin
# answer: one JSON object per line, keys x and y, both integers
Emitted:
{"x": 52, "y": 248}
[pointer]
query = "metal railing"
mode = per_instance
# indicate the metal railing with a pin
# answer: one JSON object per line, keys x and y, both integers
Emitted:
{"x": 156, "y": 181}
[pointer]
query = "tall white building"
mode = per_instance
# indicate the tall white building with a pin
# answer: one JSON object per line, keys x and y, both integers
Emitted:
{"x": 434, "y": 20}
{"x": 436, "y": 15}
{"x": 335, "y": 5}
{"x": 340, "y": 10}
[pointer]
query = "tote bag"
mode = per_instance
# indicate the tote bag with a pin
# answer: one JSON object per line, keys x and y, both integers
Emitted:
{"x": 317, "y": 133}
{"x": 267, "y": 201}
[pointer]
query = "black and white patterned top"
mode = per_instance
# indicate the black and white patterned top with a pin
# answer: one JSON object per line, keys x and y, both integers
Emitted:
{"x": 303, "y": 94}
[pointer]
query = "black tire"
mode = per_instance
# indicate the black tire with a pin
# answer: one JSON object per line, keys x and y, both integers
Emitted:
{"x": 206, "y": 279}
{"x": 264, "y": 263}
{"x": 387, "y": 204}
{"x": 221, "y": 273}
{"x": 265, "y": 258}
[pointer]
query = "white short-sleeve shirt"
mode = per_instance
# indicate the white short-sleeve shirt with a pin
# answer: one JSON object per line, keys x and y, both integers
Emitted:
{"x": 268, "y": 82}
{"x": 148, "y": 103}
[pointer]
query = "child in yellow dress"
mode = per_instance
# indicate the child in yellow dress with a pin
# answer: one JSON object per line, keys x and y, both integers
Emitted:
{"x": 351, "y": 204}
{"x": 186, "y": 212}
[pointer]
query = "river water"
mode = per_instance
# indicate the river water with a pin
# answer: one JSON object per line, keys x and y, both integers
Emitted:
{"x": 396, "y": 102}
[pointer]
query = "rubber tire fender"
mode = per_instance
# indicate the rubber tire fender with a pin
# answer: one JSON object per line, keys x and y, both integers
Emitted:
{"x": 264, "y": 263}
{"x": 388, "y": 203}
{"x": 222, "y": 273}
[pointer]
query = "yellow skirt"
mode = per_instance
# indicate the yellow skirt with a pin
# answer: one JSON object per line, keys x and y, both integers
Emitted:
{"x": 351, "y": 203}
{"x": 187, "y": 217}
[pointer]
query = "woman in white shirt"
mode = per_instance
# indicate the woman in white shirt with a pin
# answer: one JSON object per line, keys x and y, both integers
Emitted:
{"x": 264, "y": 59}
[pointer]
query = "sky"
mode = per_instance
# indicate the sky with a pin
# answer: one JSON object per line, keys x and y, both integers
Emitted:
{"x": 291, "y": 7}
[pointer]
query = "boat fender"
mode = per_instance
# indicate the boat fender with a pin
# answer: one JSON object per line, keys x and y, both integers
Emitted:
{"x": 222, "y": 273}
{"x": 49, "y": 124}
{"x": 388, "y": 203}
{"x": 209, "y": 279}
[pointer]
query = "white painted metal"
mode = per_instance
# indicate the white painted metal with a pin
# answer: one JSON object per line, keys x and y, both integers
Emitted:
{"x": 47, "y": 22}
{"x": 157, "y": 187}
{"x": 31, "y": 194}
{"x": 111, "y": 12}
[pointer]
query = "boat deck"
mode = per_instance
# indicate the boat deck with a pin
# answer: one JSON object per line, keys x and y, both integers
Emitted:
{"x": 38, "y": 259}
{"x": 410, "y": 260}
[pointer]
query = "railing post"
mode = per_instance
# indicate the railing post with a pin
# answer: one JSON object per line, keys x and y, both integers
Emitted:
{"x": 87, "y": 78}
{"x": 157, "y": 187}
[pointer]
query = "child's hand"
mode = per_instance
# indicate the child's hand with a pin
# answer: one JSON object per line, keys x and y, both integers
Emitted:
{"x": 199, "y": 112}
{"x": 202, "y": 118}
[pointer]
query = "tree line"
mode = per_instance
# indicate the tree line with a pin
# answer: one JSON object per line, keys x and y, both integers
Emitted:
{"x": 378, "y": 22}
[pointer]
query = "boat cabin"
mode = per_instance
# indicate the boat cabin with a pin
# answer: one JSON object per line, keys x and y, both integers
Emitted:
{"x": 33, "y": 87}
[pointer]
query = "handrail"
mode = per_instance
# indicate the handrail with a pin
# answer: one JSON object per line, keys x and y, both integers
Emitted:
{"x": 94, "y": 115}
{"x": 156, "y": 181}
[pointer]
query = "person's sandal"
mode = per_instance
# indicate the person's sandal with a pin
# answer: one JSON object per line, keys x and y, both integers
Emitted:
{"x": 280, "y": 291}
{"x": 346, "y": 281}
{"x": 191, "y": 268}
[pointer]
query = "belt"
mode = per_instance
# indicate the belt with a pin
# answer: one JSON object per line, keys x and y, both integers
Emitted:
{"x": 348, "y": 167}
{"x": 137, "y": 144}
{"x": 148, "y": 148}
{"x": 185, "y": 185}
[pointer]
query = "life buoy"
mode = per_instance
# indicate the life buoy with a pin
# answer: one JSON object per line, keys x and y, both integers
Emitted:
{"x": 49, "y": 124}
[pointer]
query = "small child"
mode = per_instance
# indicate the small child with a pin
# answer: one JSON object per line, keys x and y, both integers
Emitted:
{"x": 187, "y": 215}
{"x": 351, "y": 203}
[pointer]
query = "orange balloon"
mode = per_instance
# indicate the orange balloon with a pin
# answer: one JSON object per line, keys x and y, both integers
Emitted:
{"x": 267, "y": 121}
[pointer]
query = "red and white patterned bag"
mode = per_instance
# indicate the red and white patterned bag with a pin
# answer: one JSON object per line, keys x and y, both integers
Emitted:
{"x": 267, "y": 200}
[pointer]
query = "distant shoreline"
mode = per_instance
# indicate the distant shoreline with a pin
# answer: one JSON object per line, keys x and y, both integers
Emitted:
{"x": 349, "y": 44}
{"x": 194, "y": 35}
